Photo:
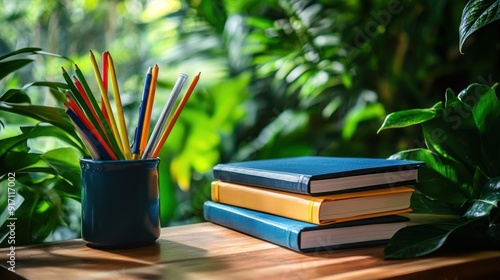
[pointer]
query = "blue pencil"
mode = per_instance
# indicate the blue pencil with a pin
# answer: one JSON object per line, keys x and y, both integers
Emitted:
{"x": 96, "y": 146}
{"x": 136, "y": 146}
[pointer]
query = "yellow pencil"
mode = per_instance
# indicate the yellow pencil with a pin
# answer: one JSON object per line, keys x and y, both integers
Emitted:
{"x": 149, "y": 108}
{"x": 119, "y": 109}
{"x": 105, "y": 99}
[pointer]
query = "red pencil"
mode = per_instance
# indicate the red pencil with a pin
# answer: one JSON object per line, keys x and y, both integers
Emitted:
{"x": 86, "y": 122}
{"x": 104, "y": 78}
{"x": 85, "y": 96}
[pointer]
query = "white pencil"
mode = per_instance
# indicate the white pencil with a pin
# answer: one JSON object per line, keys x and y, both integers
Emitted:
{"x": 165, "y": 114}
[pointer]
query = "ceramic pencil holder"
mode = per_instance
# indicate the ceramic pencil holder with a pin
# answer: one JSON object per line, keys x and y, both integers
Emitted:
{"x": 120, "y": 202}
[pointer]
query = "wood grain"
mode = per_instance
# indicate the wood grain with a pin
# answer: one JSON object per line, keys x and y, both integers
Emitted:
{"x": 208, "y": 251}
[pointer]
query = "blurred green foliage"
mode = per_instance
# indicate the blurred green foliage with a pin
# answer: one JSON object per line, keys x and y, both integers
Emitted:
{"x": 279, "y": 78}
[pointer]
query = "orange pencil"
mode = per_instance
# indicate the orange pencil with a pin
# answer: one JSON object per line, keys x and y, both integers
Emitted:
{"x": 149, "y": 108}
{"x": 176, "y": 115}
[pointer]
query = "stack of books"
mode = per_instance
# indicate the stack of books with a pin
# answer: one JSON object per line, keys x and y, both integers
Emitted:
{"x": 314, "y": 203}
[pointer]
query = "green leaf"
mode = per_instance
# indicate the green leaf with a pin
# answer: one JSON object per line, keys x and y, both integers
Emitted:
{"x": 15, "y": 96}
{"x": 55, "y": 116}
{"x": 488, "y": 200}
{"x": 40, "y": 130}
{"x": 477, "y": 14}
{"x": 6, "y": 191}
{"x": 440, "y": 178}
{"x": 33, "y": 226}
{"x": 65, "y": 161}
{"x": 494, "y": 236}
{"x": 485, "y": 109}
{"x": 7, "y": 67}
{"x": 10, "y": 143}
{"x": 422, "y": 240}
{"x": 18, "y": 160}
{"x": 409, "y": 117}
{"x": 28, "y": 50}
{"x": 54, "y": 88}
{"x": 454, "y": 134}
{"x": 422, "y": 204}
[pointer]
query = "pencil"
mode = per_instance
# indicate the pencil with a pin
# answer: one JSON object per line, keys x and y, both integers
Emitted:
{"x": 85, "y": 97}
{"x": 99, "y": 143}
{"x": 79, "y": 99}
{"x": 104, "y": 65}
{"x": 116, "y": 141}
{"x": 176, "y": 115}
{"x": 99, "y": 122}
{"x": 94, "y": 153}
{"x": 119, "y": 109}
{"x": 149, "y": 107}
{"x": 136, "y": 148}
{"x": 167, "y": 109}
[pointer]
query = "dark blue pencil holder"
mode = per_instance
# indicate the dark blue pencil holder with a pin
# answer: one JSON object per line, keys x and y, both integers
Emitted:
{"x": 120, "y": 202}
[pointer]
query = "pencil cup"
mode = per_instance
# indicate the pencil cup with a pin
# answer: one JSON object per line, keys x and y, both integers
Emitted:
{"x": 120, "y": 202}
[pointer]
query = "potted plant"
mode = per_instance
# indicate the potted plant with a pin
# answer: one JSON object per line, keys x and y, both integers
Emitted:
{"x": 461, "y": 177}
{"x": 39, "y": 188}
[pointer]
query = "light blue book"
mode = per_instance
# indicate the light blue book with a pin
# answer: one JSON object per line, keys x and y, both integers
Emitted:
{"x": 301, "y": 236}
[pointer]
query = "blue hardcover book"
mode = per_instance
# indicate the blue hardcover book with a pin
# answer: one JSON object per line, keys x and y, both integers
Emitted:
{"x": 317, "y": 175}
{"x": 301, "y": 236}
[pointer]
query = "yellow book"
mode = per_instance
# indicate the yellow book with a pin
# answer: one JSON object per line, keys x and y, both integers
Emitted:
{"x": 318, "y": 210}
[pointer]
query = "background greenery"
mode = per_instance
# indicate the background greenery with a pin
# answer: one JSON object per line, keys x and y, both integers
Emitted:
{"x": 279, "y": 78}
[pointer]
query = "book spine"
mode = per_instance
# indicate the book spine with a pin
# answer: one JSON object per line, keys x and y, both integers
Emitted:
{"x": 279, "y": 181}
{"x": 251, "y": 225}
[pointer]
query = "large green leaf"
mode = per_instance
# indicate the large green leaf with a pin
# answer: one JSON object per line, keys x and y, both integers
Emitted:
{"x": 8, "y": 212}
{"x": 440, "y": 178}
{"x": 477, "y": 230}
{"x": 65, "y": 162}
{"x": 485, "y": 109}
{"x": 487, "y": 202}
{"x": 10, "y": 66}
{"x": 15, "y": 96}
{"x": 37, "y": 215}
{"x": 422, "y": 240}
{"x": 30, "y": 132}
{"x": 52, "y": 115}
{"x": 40, "y": 130}
{"x": 54, "y": 88}
{"x": 477, "y": 14}
{"x": 28, "y": 50}
{"x": 454, "y": 134}
{"x": 11, "y": 143}
{"x": 410, "y": 117}
{"x": 421, "y": 203}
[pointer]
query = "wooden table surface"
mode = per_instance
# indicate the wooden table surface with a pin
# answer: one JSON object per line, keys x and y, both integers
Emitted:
{"x": 209, "y": 251}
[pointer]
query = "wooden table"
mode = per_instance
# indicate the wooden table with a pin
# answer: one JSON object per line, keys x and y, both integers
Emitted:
{"x": 209, "y": 251}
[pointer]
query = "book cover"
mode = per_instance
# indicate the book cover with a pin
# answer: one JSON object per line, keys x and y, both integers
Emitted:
{"x": 319, "y": 210}
{"x": 301, "y": 236}
{"x": 318, "y": 175}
